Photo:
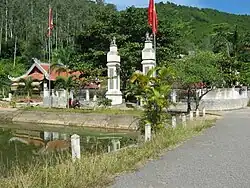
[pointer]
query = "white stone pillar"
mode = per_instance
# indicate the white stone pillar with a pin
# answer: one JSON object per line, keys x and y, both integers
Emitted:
{"x": 45, "y": 89}
{"x": 197, "y": 113}
{"x": 147, "y": 132}
{"x": 173, "y": 96}
{"x": 116, "y": 144}
{"x": 95, "y": 98}
{"x": 87, "y": 94}
{"x": 173, "y": 122}
{"x": 114, "y": 93}
{"x": 184, "y": 120}
{"x": 191, "y": 115}
{"x": 203, "y": 112}
{"x": 109, "y": 149}
{"x": 10, "y": 96}
{"x": 55, "y": 136}
{"x": 148, "y": 56}
{"x": 75, "y": 146}
{"x": 71, "y": 95}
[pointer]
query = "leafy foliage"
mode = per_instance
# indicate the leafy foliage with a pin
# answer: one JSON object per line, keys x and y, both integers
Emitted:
{"x": 153, "y": 90}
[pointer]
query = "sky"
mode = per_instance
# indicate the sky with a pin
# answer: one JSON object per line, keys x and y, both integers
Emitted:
{"x": 231, "y": 6}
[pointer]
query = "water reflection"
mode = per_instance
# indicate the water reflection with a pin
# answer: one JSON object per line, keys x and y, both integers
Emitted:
{"x": 23, "y": 147}
{"x": 43, "y": 142}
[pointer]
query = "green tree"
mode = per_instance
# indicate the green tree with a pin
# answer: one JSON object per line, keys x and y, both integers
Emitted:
{"x": 27, "y": 86}
{"x": 198, "y": 72}
{"x": 154, "y": 92}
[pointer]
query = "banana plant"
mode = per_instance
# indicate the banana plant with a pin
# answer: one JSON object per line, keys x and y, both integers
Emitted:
{"x": 154, "y": 92}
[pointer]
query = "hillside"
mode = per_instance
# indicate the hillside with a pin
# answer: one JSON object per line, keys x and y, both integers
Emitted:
{"x": 199, "y": 22}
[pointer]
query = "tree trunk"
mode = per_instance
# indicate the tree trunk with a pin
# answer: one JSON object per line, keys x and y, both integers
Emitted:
{"x": 1, "y": 36}
{"x": 15, "y": 52}
{"x": 189, "y": 101}
{"x": 6, "y": 21}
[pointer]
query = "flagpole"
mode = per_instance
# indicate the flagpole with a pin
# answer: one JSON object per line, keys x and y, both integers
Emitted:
{"x": 49, "y": 62}
{"x": 154, "y": 34}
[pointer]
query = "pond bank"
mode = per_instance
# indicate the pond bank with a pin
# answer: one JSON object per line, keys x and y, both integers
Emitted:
{"x": 88, "y": 119}
{"x": 99, "y": 170}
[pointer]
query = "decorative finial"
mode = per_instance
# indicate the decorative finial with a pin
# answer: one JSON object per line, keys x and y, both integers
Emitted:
{"x": 148, "y": 37}
{"x": 113, "y": 42}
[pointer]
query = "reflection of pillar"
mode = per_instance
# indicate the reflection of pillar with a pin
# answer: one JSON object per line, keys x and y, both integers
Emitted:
{"x": 87, "y": 94}
{"x": 113, "y": 63}
{"x": 64, "y": 136}
{"x": 55, "y": 136}
{"x": 47, "y": 136}
{"x": 116, "y": 144}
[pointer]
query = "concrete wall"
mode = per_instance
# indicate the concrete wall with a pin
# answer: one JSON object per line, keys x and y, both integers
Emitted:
{"x": 219, "y": 99}
{"x": 57, "y": 102}
{"x": 95, "y": 120}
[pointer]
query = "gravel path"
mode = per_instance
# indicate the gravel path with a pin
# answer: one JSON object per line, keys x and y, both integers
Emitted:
{"x": 219, "y": 158}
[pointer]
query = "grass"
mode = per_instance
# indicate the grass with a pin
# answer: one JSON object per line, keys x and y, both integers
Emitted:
{"x": 98, "y": 110}
{"x": 99, "y": 170}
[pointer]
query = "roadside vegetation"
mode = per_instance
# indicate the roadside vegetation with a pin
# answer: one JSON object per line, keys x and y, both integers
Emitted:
{"x": 98, "y": 170}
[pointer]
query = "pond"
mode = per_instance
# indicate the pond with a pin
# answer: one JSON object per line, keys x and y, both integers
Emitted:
{"x": 29, "y": 144}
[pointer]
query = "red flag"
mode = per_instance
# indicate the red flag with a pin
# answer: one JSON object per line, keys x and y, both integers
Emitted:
{"x": 50, "y": 25}
{"x": 152, "y": 16}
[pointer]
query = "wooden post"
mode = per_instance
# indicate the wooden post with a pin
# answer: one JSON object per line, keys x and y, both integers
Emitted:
{"x": 173, "y": 122}
{"x": 147, "y": 132}
{"x": 184, "y": 120}
{"x": 197, "y": 113}
{"x": 191, "y": 115}
{"x": 75, "y": 145}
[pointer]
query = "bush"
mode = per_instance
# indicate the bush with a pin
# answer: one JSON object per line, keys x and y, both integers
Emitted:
{"x": 104, "y": 102}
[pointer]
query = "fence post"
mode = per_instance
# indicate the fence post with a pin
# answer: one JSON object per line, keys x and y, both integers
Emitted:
{"x": 147, "y": 132}
{"x": 197, "y": 113}
{"x": 75, "y": 146}
{"x": 173, "y": 122}
{"x": 184, "y": 120}
{"x": 191, "y": 115}
{"x": 204, "y": 112}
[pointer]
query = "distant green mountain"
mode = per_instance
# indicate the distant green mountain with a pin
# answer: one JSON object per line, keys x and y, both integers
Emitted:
{"x": 198, "y": 23}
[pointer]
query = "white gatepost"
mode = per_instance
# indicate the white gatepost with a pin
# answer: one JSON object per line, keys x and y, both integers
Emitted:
{"x": 184, "y": 120}
{"x": 173, "y": 96}
{"x": 191, "y": 115}
{"x": 204, "y": 112}
{"x": 75, "y": 146}
{"x": 148, "y": 55}
{"x": 147, "y": 132}
{"x": 87, "y": 94}
{"x": 173, "y": 122}
{"x": 113, "y": 63}
{"x": 197, "y": 113}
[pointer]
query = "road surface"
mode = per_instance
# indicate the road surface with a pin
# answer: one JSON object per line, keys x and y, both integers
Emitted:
{"x": 219, "y": 158}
